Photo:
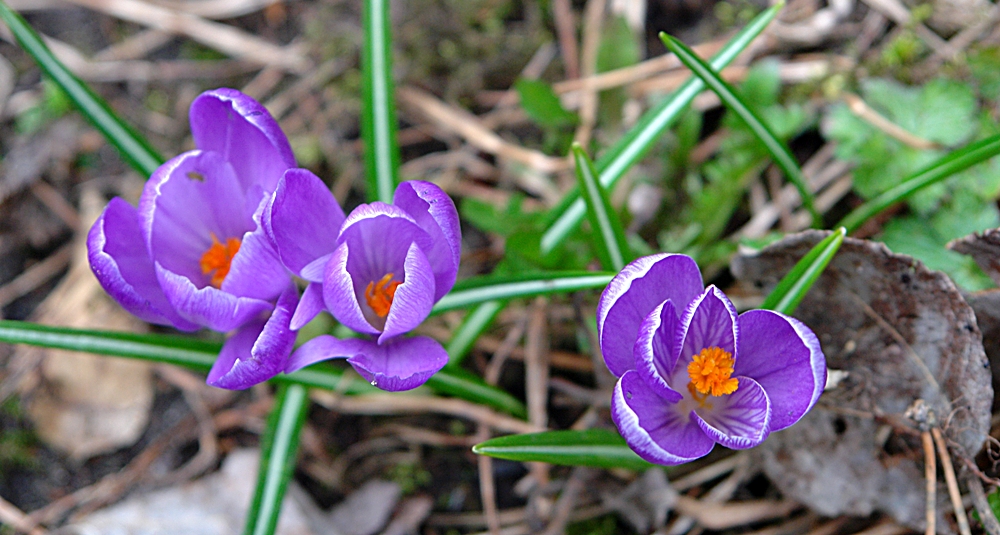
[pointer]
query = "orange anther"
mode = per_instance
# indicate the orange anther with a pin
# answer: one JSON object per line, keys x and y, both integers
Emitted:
{"x": 218, "y": 258}
{"x": 710, "y": 372}
{"x": 379, "y": 294}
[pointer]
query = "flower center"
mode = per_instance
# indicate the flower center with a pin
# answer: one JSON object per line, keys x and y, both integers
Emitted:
{"x": 710, "y": 373}
{"x": 379, "y": 294}
{"x": 218, "y": 258}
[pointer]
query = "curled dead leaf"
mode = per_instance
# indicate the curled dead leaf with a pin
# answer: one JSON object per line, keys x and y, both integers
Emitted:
{"x": 902, "y": 333}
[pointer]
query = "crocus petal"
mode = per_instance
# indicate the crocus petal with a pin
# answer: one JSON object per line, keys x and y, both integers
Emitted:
{"x": 208, "y": 306}
{"x": 339, "y": 293}
{"x": 637, "y": 289}
{"x": 310, "y": 305}
{"x": 244, "y": 133}
{"x": 414, "y": 298}
{"x": 120, "y": 261}
{"x": 434, "y": 211}
{"x": 325, "y": 347}
{"x": 401, "y": 363}
{"x": 379, "y": 237}
{"x": 303, "y": 219}
{"x": 255, "y": 270}
{"x": 737, "y": 421}
{"x": 785, "y": 357}
{"x": 188, "y": 200}
{"x": 657, "y": 431}
{"x": 656, "y": 350}
{"x": 709, "y": 321}
{"x": 259, "y": 350}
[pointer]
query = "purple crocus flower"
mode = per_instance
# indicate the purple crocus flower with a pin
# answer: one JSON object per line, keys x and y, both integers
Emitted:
{"x": 194, "y": 254}
{"x": 378, "y": 271}
{"x": 691, "y": 372}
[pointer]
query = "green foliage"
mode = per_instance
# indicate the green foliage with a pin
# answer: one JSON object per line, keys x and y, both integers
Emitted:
{"x": 942, "y": 111}
{"x": 716, "y": 190}
{"x": 542, "y": 104}
{"x": 984, "y": 65}
{"x": 410, "y": 476}
{"x": 53, "y": 105}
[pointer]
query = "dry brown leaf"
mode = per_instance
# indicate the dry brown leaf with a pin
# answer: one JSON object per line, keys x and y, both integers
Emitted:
{"x": 903, "y": 333}
{"x": 80, "y": 403}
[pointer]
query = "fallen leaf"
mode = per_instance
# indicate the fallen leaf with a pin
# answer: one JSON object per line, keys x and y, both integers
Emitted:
{"x": 902, "y": 333}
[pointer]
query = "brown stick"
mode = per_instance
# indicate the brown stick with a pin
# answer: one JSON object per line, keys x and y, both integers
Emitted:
{"x": 949, "y": 478}
{"x": 930, "y": 476}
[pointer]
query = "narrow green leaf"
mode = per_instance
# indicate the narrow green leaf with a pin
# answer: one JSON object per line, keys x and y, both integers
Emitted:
{"x": 481, "y": 289}
{"x": 475, "y": 322}
{"x": 378, "y": 114}
{"x": 601, "y": 448}
{"x": 779, "y": 151}
{"x": 790, "y": 290}
{"x": 612, "y": 248}
{"x": 952, "y": 163}
{"x": 462, "y": 384}
{"x": 620, "y": 157}
{"x": 199, "y": 355}
{"x": 133, "y": 147}
{"x": 278, "y": 449}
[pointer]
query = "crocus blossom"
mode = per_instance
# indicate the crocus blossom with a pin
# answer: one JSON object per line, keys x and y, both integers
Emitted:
{"x": 194, "y": 253}
{"x": 691, "y": 372}
{"x": 379, "y": 270}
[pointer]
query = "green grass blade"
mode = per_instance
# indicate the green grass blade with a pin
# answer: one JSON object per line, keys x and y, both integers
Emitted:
{"x": 199, "y": 355}
{"x": 278, "y": 449}
{"x": 378, "y": 114}
{"x": 779, "y": 151}
{"x": 790, "y": 290}
{"x": 612, "y": 248}
{"x": 462, "y": 384}
{"x": 952, "y": 163}
{"x": 481, "y": 289}
{"x": 133, "y": 147}
{"x": 475, "y": 322}
{"x": 620, "y": 157}
{"x": 601, "y": 448}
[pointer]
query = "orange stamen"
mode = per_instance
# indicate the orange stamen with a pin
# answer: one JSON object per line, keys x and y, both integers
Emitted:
{"x": 218, "y": 258}
{"x": 710, "y": 373}
{"x": 379, "y": 294}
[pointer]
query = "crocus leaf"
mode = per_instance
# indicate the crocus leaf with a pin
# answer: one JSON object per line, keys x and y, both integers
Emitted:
{"x": 475, "y": 322}
{"x": 136, "y": 149}
{"x": 199, "y": 355}
{"x": 462, "y": 384}
{"x": 278, "y": 449}
{"x": 779, "y": 151}
{"x": 954, "y": 162}
{"x": 620, "y": 157}
{"x": 487, "y": 288}
{"x": 793, "y": 287}
{"x": 599, "y": 448}
{"x": 378, "y": 110}
{"x": 612, "y": 248}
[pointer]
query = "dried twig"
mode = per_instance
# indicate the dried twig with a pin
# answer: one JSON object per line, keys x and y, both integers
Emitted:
{"x": 952, "y": 482}
{"x": 592, "y": 19}
{"x": 36, "y": 275}
{"x": 16, "y": 519}
{"x": 487, "y": 487}
{"x": 562, "y": 14}
{"x": 414, "y": 404}
{"x": 467, "y": 126}
{"x": 863, "y": 111}
{"x": 222, "y": 37}
{"x": 986, "y": 515}
{"x": 930, "y": 475}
